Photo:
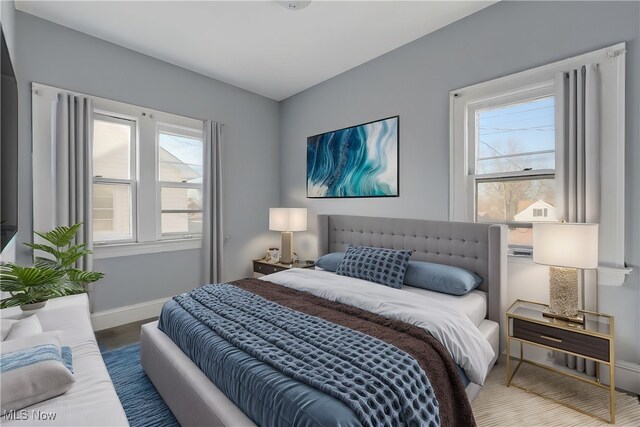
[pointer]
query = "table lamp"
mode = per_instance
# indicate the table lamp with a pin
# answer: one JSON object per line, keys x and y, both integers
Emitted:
{"x": 565, "y": 248}
{"x": 287, "y": 220}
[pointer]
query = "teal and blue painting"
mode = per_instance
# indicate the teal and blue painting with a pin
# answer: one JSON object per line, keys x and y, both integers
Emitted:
{"x": 358, "y": 161}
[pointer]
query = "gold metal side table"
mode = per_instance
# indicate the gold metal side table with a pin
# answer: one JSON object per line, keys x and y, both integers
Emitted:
{"x": 593, "y": 341}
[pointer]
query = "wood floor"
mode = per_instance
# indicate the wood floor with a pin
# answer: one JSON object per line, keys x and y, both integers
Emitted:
{"x": 120, "y": 336}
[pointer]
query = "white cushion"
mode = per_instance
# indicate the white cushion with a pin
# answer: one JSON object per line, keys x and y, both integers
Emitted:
{"x": 5, "y": 325}
{"x": 92, "y": 401}
{"x": 23, "y": 328}
{"x": 32, "y": 371}
{"x": 49, "y": 337}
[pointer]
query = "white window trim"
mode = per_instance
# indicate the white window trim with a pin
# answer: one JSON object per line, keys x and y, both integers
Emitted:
{"x": 136, "y": 248}
{"x": 612, "y": 269}
{"x": 43, "y": 100}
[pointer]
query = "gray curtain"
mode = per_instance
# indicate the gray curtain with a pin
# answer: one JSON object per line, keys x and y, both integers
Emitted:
{"x": 578, "y": 169}
{"x": 73, "y": 168}
{"x": 212, "y": 234}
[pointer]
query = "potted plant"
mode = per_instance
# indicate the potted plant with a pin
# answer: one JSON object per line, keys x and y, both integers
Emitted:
{"x": 50, "y": 277}
{"x": 29, "y": 287}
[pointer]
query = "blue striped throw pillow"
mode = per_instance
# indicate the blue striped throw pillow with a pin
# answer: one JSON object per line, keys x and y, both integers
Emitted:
{"x": 34, "y": 369}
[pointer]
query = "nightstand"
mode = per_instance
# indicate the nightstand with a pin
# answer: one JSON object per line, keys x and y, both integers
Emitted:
{"x": 592, "y": 340}
{"x": 262, "y": 267}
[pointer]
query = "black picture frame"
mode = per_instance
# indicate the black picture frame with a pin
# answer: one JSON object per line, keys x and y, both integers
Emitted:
{"x": 334, "y": 156}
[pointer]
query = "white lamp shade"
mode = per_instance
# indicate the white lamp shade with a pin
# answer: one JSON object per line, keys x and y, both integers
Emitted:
{"x": 566, "y": 245}
{"x": 288, "y": 219}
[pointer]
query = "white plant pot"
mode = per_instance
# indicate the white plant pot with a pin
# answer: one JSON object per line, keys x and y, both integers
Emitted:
{"x": 33, "y": 307}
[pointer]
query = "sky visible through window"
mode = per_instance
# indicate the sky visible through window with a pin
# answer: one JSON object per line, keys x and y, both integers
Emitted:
{"x": 517, "y": 137}
{"x": 186, "y": 150}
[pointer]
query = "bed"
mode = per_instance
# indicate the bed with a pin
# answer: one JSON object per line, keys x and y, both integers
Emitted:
{"x": 480, "y": 248}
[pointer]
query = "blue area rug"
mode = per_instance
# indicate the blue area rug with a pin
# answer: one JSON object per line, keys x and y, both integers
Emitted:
{"x": 140, "y": 399}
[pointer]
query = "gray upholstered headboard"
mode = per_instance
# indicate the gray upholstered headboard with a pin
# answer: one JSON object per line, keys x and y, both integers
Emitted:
{"x": 480, "y": 248}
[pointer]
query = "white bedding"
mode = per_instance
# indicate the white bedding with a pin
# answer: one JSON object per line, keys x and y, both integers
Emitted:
{"x": 473, "y": 305}
{"x": 455, "y": 331}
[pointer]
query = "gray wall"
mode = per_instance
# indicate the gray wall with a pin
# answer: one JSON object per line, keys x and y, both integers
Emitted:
{"x": 414, "y": 81}
{"x": 51, "y": 54}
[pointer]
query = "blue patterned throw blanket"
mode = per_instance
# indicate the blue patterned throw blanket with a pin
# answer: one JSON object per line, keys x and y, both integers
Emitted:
{"x": 382, "y": 384}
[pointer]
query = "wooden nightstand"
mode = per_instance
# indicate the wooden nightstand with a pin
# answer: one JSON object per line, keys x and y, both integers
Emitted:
{"x": 593, "y": 341}
{"x": 261, "y": 267}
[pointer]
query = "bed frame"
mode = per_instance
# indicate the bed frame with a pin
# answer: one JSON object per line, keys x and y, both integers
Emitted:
{"x": 480, "y": 248}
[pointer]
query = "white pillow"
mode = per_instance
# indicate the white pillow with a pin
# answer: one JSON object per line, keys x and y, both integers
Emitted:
{"x": 23, "y": 328}
{"x": 5, "y": 325}
{"x": 32, "y": 371}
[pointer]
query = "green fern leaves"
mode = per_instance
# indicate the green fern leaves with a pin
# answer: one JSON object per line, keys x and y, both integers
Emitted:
{"x": 49, "y": 277}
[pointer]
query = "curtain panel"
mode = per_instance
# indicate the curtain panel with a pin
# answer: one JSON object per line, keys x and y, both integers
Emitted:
{"x": 578, "y": 169}
{"x": 212, "y": 231}
{"x": 73, "y": 168}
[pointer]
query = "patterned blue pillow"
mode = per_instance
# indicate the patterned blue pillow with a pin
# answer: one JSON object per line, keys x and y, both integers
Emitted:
{"x": 384, "y": 266}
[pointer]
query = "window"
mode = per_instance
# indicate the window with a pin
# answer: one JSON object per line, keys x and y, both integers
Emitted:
{"x": 506, "y": 166}
{"x": 180, "y": 158}
{"x": 114, "y": 180}
{"x": 513, "y": 148}
{"x": 540, "y": 213}
{"x": 147, "y": 185}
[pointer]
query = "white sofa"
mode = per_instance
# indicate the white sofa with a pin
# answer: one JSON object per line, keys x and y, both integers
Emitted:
{"x": 92, "y": 400}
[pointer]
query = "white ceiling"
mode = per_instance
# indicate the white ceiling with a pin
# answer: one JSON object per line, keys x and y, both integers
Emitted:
{"x": 257, "y": 45}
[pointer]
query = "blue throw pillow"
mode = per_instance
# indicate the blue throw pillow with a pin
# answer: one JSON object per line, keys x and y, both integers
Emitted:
{"x": 384, "y": 266}
{"x": 67, "y": 357}
{"x": 330, "y": 261}
{"x": 441, "y": 278}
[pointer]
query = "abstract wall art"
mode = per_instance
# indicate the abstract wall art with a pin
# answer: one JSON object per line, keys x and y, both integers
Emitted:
{"x": 358, "y": 161}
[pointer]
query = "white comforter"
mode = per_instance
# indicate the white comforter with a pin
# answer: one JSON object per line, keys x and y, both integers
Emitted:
{"x": 454, "y": 330}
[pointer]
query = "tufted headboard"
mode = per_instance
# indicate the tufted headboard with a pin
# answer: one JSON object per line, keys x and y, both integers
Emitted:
{"x": 480, "y": 248}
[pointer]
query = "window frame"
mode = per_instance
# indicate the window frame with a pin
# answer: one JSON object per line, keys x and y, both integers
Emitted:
{"x": 531, "y": 92}
{"x": 100, "y": 115}
{"x": 492, "y": 97}
{"x": 148, "y": 238}
{"x": 537, "y": 91}
{"x": 177, "y": 130}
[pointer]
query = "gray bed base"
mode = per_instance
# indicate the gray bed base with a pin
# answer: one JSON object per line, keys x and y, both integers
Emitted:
{"x": 481, "y": 248}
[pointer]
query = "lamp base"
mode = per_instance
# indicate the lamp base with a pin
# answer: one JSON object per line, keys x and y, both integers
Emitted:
{"x": 286, "y": 247}
{"x": 563, "y": 293}
{"x": 578, "y": 319}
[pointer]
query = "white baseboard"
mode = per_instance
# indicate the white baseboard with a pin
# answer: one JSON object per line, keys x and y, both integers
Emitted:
{"x": 628, "y": 376}
{"x": 123, "y": 315}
